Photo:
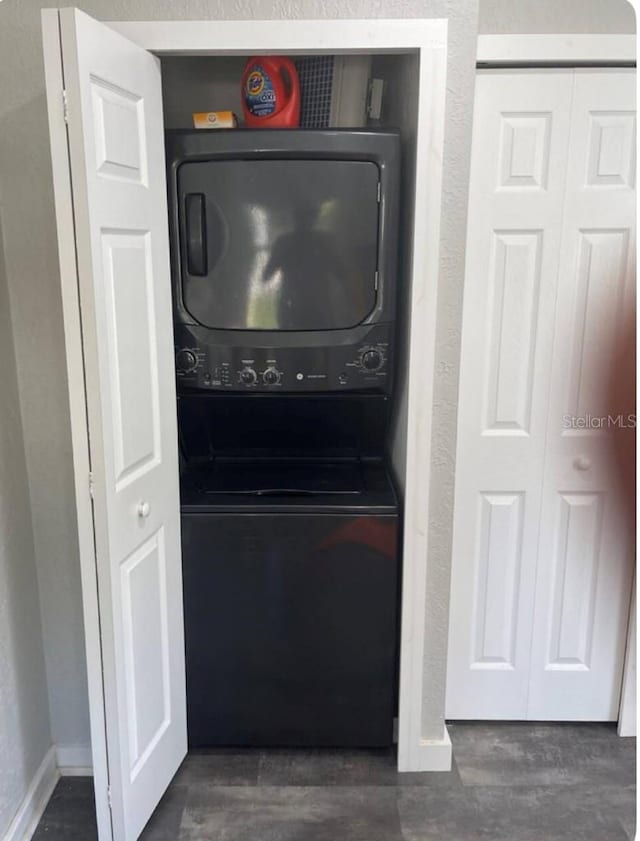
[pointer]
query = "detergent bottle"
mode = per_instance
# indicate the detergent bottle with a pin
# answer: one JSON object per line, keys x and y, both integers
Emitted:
{"x": 270, "y": 92}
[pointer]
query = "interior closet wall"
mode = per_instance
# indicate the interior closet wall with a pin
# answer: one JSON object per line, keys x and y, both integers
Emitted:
{"x": 200, "y": 83}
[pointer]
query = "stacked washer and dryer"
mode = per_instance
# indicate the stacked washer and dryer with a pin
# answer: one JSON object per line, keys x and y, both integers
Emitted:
{"x": 284, "y": 264}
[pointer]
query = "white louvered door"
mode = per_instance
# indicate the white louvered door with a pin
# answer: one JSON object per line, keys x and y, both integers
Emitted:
{"x": 541, "y": 573}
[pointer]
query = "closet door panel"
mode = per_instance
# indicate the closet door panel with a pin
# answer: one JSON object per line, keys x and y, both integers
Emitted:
{"x": 584, "y": 565}
{"x": 519, "y": 159}
{"x": 116, "y": 155}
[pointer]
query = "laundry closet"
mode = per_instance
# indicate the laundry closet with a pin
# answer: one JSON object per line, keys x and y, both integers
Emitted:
{"x": 285, "y": 279}
{"x": 239, "y": 355}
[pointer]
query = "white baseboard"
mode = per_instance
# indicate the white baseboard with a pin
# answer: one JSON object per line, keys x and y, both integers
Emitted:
{"x": 627, "y": 714}
{"x": 35, "y": 800}
{"x": 430, "y": 755}
{"x": 74, "y": 760}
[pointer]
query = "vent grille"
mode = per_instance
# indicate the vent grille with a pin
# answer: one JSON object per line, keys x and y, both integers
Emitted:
{"x": 316, "y": 83}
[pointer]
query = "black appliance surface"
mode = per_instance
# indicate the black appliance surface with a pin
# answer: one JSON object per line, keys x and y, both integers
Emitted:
{"x": 330, "y": 426}
{"x": 284, "y": 258}
{"x": 282, "y": 478}
{"x": 290, "y": 605}
{"x": 297, "y": 486}
{"x": 288, "y": 244}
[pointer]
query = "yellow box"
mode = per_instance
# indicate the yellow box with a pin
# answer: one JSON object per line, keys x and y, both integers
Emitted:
{"x": 215, "y": 119}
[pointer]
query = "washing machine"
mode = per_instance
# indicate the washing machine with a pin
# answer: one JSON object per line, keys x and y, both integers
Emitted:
{"x": 291, "y": 573}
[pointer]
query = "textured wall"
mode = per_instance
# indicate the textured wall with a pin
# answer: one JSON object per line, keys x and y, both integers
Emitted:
{"x": 501, "y": 17}
{"x": 202, "y": 83}
{"x": 36, "y": 311}
{"x": 24, "y": 710}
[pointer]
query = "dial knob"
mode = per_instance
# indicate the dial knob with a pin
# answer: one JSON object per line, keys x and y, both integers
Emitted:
{"x": 372, "y": 360}
{"x": 271, "y": 376}
{"x": 248, "y": 376}
{"x": 186, "y": 360}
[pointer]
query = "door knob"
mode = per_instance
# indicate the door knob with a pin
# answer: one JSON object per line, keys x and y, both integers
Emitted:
{"x": 582, "y": 463}
{"x": 144, "y": 509}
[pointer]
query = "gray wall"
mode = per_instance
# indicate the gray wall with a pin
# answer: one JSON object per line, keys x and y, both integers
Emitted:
{"x": 201, "y": 83}
{"x": 37, "y": 317}
{"x": 30, "y": 255}
{"x": 502, "y": 17}
{"x": 24, "y": 710}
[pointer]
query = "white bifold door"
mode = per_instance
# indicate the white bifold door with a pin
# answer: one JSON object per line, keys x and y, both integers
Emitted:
{"x": 116, "y": 169}
{"x": 542, "y": 566}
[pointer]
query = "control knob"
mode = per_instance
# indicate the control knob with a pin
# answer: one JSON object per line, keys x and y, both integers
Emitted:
{"x": 248, "y": 376}
{"x": 271, "y": 376}
{"x": 186, "y": 361}
{"x": 372, "y": 360}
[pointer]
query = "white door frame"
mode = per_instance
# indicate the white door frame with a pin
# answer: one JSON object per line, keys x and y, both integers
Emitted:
{"x": 427, "y": 39}
{"x": 499, "y": 50}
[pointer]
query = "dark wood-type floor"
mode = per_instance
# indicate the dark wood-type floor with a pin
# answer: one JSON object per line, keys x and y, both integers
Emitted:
{"x": 510, "y": 782}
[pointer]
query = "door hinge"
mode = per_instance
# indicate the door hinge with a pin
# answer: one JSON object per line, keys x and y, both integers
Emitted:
{"x": 65, "y": 106}
{"x": 91, "y": 485}
{"x": 375, "y": 282}
{"x": 379, "y": 192}
{"x": 109, "y": 796}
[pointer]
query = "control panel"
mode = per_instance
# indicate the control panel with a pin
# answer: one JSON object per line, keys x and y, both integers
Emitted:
{"x": 365, "y": 365}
